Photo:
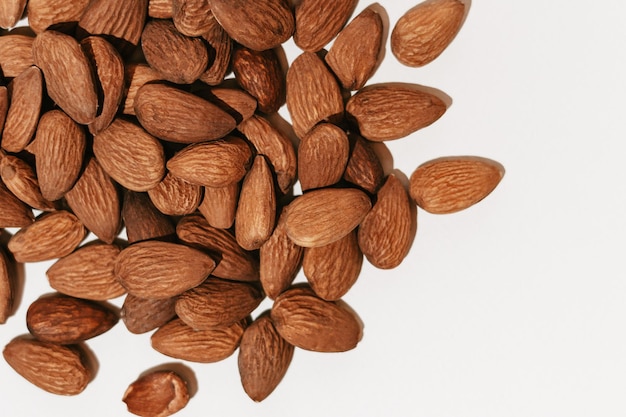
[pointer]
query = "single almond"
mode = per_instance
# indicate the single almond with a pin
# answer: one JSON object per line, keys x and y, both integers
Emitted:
{"x": 118, "y": 19}
{"x": 16, "y": 53}
{"x": 161, "y": 9}
{"x": 157, "y": 393}
{"x": 322, "y": 156}
{"x": 43, "y": 14}
{"x": 141, "y": 315}
{"x": 4, "y": 106}
{"x": 136, "y": 75}
{"x": 217, "y": 38}
{"x": 450, "y": 184}
{"x": 7, "y": 287}
{"x": 19, "y": 177}
{"x": 11, "y": 12}
{"x": 13, "y": 212}
{"x": 318, "y": 22}
{"x": 175, "y": 196}
{"x": 219, "y": 205}
{"x": 192, "y": 17}
{"x": 143, "y": 221}
{"x": 364, "y": 168}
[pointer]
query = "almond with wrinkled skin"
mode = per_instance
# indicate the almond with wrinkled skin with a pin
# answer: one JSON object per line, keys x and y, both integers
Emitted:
{"x": 11, "y": 12}
{"x": 356, "y": 52}
{"x": 157, "y": 394}
{"x": 219, "y": 205}
{"x": 16, "y": 54}
{"x": 329, "y": 275}
{"x": 318, "y": 22}
{"x": 426, "y": 30}
{"x": 364, "y": 168}
{"x": 43, "y": 14}
{"x": 161, "y": 9}
{"x": 322, "y": 156}
{"x": 94, "y": 199}
{"x": 392, "y": 111}
{"x": 13, "y": 212}
{"x": 7, "y": 290}
{"x": 218, "y": 39}
{"x": 62, "y": 370}
{"x": 308, "y": 322}
{"x": 217, "y": 303}
{"x": 137, "y": 75}
{"x": 192, "y": 17}
{"x": 235, "y": 263}
{"x": 153, "y": 269}
{"x": 143, "y": 221}
{"x": 119, "y": 19}
{"x": 177, "y": 116}
{"x": 264, "y": 357}
{"x": 256, "y": 24}
{"x": 323, "y": 216}
{"x": 387, "y": 232}
{"x": 177, "y": 340}
{"x": 450, "y": 184}
{"x": 234, "y": 101}
{"x": 178, "y": 58}
{"x": 130, "y": 155}
{"x": 51, "y": 236}
{"x": 212, "y": 164}
{"x": 67, "y": 72}
{"x": 141, "y": 315}
{"x": 175, "y": 197}
{"x": 20, "y": 179}
{"x": 68, "y": 320}
{"x": 26, "y": 91}
{"x": 313, "y": 94}
{"x": 256, "y": 210}
{"x": 88, "y": 273}
{"x": 4, "y": 105}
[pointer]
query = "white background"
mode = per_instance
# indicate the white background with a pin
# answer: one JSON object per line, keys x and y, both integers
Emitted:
{"x": 514, "y": 307}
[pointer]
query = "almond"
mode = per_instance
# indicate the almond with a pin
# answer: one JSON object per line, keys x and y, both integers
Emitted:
{"x": 323, "y": 216}
{"x": 13, "y": 212}
{"x": 264, "y": 357}
{"x": 20, "y": 179}
{"x": 52, "y": 235}
{"x": 217, "y": 39}
{"x": 119, "y": 19}
{"x": 7, "y": 287}
{"x": 158, "y": 394}
{"x": 161, "y": 9}
{"x": 62, "y": 370}
{"x": 136, "y": 75}
{"x": 4, "y": 106}
{"x": 364, "y": 168}
{"x": 141, "y": 315}
{"x": 426, "y": 30}
{"x": 153, "y": 269}
{"x": 43, "y": 14}
{"x": 322, "y": 156}
{"x": 234, "y": 101}
{"x": 318, "y": 22}
{"x": 16, "y": 53}
{"x": 192, "y": 17}
{"x": 308, "y": 322}
{"x": 451, "y": 184}
{"x": 175, "y": 196}
{"x": 143, "y": 221}
{"x": 11, "y": 12}
{"x": 219, "y": 205}
{"x": 393, "y": 111}
{"x": 68, "y": 320}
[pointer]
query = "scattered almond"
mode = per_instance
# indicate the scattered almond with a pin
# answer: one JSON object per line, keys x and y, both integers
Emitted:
{"x": 157, "y": 394}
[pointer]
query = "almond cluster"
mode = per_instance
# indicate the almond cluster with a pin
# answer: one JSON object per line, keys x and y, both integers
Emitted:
{"x": 153, "y": 126}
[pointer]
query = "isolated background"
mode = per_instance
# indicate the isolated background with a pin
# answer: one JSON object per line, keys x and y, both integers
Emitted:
{"x": 514, "y": 307}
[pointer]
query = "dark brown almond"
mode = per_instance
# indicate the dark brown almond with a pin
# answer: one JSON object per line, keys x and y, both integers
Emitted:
{"x": 175, "y": 197}
{"x": 218, "y": 40}
{"x": 322, "y": 156}
{"x": 364, "y": 168}
{"x": 16, "y": 54}
{"x": 318, "y": 23}
{"x": 153, "y": 269}
{"x": 219, "y": 205}
{"x": 143, "y": 221}
{"x": 13, "y": 212}
{"x": 43, "y": 14}
{"x": 19, "y": 177}
{"x": 11, "y": 12}
{"x": 161, "y": 9}
{"x": 157, "y": 393}
{"x": 192, "y": 17}
{"x": 7, "y": 287}
{"x": 118, "y": 19}
{"x": 141, "y": 315}
{"x": 137, "y": 75}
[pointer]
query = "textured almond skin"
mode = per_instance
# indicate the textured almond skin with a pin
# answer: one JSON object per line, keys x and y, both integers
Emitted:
{"x": 317, "y": 22}
{"x": 323, "y": 216}
{"x": 62, "y": 370}
{"x": 10, "y": 12}
{"x": 393, "y": 111}
{"x": 88, "y": 273}
{"x": 130, "y": 155}
{"x": 153, "y": 269}
{"x": 68, "y": 320}
{"x": 387, "y": 232}
{"x": 308, "y": 322}
{"x": 177, "y": 116}
{"x": 175, "y": 197}
{"x": 356, "y": 52}
{"x": 322, "y": 156}
{"x": 450, "y": 184}
{"x": 45, "y": 13}
{"x": 256, "y": 24}
{"x": 313, "y": 94}
{"x": 178, "y": 58}
{"x": 51, "y": 236}
{"x": 16, "y": 54}
{"x": 136, "y": 75}
{"x": 141, "y": 315}
{"x": 4, "y": 105}
{"x": 426, "y": 30}
{"x": 212, "y": 164}
{"x": 264, "y": 357}
{"x": 157, "y": 394}
{"x": 217, "y": 303}
{"x": 13, "y": 212}
{"x": 219, "y": 205}
{"x": 192, "y": 17}
{"x": 240, "y": 105}
{"x": 7, "y": 287}
{"x": 364, "y": 169}
{"x": 177, "y": 340}
{"x": 121, "y": 19}
{"x": 161, "y": 9}
{"x": 143, "y": 221}
{"x": 67, "y": 73}
{"x": 20, "y": 179}
{"x": 218, "y": 39}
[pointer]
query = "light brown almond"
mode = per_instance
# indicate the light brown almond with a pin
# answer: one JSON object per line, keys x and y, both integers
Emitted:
{"x": 153, "y": 269}
{"x": 318, "y": 22}
{"x": 364, "y": 168}
{"x": 426, "y": 30}
{"x": 136, "y": 75}
{"x": 141, "y": 315}
{"x": 219, "y": 205}
{"x": 7, "y": 287}
{"x": 19, "y": 177}
{"x": 11, "y": 12}
{"x": 451, "y": 184}
{"x": 119, "y": 19}
{"x": 175, "y": 197}
{"x": 322, "y": 156}
{"x": 143, "y": 221}
{"x": 161, "y": 9}
{"x": 222, "y": 44}
{"x": 157, "y": 394}
{"x": 13, "y": 212}
{"x": 16, "y": 54}
{"x": 192, "y": 17}
{"x": 43, "y": 14}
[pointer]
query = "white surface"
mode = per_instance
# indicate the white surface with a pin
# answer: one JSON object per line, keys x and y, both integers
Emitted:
{"x": 514, "y": 307}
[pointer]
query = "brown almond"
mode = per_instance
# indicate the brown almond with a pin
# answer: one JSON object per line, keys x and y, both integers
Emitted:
{"x": 323, "y": 216}
{"x": 234, "y": 101}
{"x": 387, "y": 232}
{"x": 308, "y": 322}
{"x": 212, "y": 164}
{"x": 180, "y": 341}
{"x": 68, "y": 320}
{"x": 264, "y": 357}
{"x": 118, "y": 19}
{"x": 313, "y": 94}
{"x": 222, "y": 44}
{"x": 19, "y": 177}
{"x": 364, "y": 168}
{"x": 192, "y": 17}
{"x": 130, "y": 155}
{"x": 450, "y": 184}
{"x": 157, "y": 394}
{"x": 178, "y": 58}
{"x": 43, "y": 14}
{"x": 161, "y": 9}
{"x": 256, "y": 24}
{"x": 136, "y": 75}
{"x": 217, "y": 303}
{"x": 178, "y": 116}
{"x": 317, "y": 23}
{"x": 7, "y": 287}
{"x": 322, "y": 156}
{"x": 141, "y": 315}
{"x": 11, "y": 12}
{"x": 143, "y": 221}
{"x": 62, "y": 370}
{"x": 426, "y": 30}
{"x": 219, "y": 205}
{"x": 356, "y": 53}
{"x": 175, "y": 196}
{"x": 153, "y": 269}
{"x": 88, "y": 273}
{"x": 13, "y": 212}
{"x": 68, "y": 76}
{"x": 4, "y": 106}
{"x": 16, "y": 54}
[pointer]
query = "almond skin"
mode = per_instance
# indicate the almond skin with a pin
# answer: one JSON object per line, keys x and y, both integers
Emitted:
{"x": 322, "y": 156}
{"x": 219, "y": 205}
{"x": 4, "y": 105}
{"x": 236, "y": 102}
{"x": 218, "y": 39}
{"x": 158, "y": 394}
{"x": 11, "y": 12}
{"x": 143, "y": 221}
{"x": 450, "y": 184}
{"x": 318, "y": 22}
{"x": 175, "y": 196}
{"x": 119, "y": 19}
{"x": 192, "y": 17}
{"x": 161, "y": 9}
{"x": 13, "y": 212}
{"x": 364, "y": 168}
{"x": 141, "y": 315}
{"x": 7, "y": 287}
{"x": 426, "y": 30}
{"x": 136, "y": 75}
{"x": 20, "y": 179}
{"x": 16, "y": 54}
{"x": 45, "y": 13}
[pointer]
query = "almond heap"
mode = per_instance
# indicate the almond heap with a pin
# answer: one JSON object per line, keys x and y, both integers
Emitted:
{"x": 120, "y": 120}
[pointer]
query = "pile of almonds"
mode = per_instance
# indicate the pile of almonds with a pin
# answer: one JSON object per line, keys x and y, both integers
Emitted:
{"x": 119, "y": 115}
